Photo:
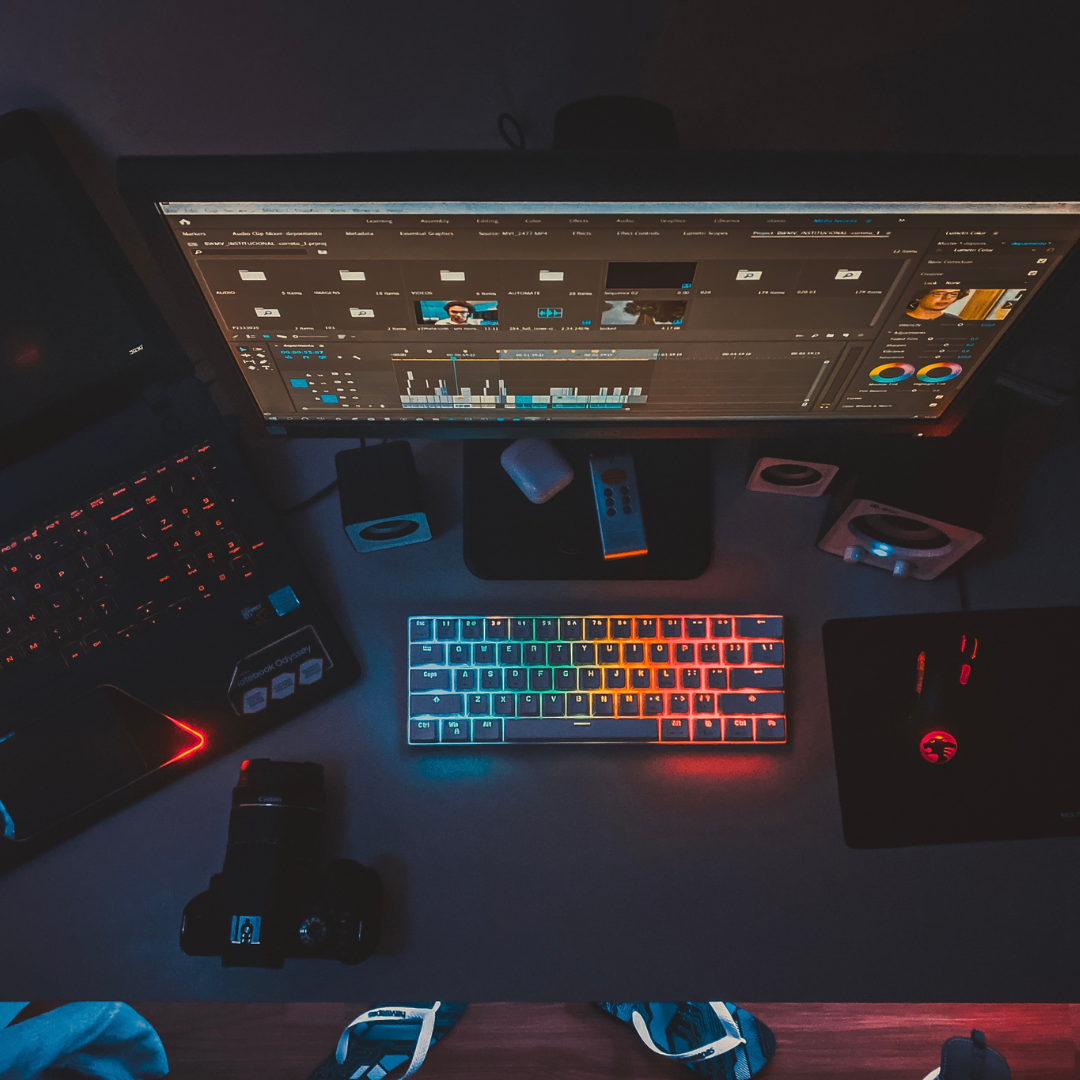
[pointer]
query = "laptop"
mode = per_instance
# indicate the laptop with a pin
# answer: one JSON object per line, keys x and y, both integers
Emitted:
{"x": 153, "y": 615}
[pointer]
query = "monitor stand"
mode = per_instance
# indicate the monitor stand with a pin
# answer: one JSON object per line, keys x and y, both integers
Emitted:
{"x": 508, "y": 538}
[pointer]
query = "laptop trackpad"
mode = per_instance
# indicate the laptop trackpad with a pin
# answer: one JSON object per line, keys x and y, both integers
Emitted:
{"x": 70, "y": 759}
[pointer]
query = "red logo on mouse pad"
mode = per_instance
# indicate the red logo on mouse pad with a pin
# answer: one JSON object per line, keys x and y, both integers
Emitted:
{"x": 937, "y": 747}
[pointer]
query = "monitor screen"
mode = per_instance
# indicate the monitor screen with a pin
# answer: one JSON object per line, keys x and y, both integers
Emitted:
{"x": 574, "y": 313}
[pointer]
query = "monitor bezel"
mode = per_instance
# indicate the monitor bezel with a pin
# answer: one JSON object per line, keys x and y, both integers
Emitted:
{"x": 679, "y": 176}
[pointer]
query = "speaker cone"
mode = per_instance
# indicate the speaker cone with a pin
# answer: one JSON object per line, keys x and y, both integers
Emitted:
{"x": 790, "y": 474}
{"x": 900, "y": 532}
{"x": 389, "y": 530}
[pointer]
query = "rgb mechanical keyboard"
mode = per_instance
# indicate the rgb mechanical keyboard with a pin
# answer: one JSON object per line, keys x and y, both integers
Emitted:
{"x": 128, "y": 560}
{"x": 679, "y": 679}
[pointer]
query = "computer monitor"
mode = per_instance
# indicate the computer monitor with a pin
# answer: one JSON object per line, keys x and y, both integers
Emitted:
{"x": 496, "y": 294}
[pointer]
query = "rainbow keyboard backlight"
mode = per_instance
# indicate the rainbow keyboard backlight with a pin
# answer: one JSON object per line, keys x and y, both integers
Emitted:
{"x": 709, "y": 680}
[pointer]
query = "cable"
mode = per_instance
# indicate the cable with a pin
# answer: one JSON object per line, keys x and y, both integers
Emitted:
{"x": 319, "y": 495}
{"x": 961, "y": 588}
{"x": 311, "y": 500}
{"x": 504, "y": 119}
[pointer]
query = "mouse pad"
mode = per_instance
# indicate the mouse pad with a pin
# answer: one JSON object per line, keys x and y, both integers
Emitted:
{"x": 956, "y": 726}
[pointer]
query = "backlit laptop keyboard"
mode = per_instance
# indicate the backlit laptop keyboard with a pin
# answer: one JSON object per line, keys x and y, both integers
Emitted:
{"x": 679, "y": 679}
{"x": 118, "y": 566}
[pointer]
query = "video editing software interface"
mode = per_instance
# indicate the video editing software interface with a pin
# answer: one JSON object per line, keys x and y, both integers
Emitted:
{"x": 648, "y": 311}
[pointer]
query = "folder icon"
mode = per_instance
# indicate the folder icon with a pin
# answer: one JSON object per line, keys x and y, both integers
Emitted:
{"x": 362, "y": 312}
{"x": 267, "y": 313}
{"x": 451, "y": 275}
{"x": 252, "y": 275}
{"x": 551, "y": 275}
{"x": 353, "y": 275}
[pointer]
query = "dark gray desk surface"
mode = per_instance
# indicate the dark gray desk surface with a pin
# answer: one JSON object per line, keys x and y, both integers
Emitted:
{"x": 570, "y": 873}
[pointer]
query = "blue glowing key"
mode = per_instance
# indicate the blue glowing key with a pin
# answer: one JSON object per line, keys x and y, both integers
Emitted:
{"x": 300, "y": 384}
{"x": 329, "y": 399}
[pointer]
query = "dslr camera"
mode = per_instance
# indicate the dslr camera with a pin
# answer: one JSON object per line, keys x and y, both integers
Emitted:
{"x": 270, "y": 901}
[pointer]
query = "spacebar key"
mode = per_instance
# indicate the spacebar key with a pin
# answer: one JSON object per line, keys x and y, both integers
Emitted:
{"x": 642, "y": 729}
{"x": 436, "y": 705}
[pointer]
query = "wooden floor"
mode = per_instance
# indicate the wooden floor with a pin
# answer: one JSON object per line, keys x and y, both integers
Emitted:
{"x": 575, "y": 1041}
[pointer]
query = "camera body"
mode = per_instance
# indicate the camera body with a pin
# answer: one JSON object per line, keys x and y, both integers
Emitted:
{"x": 270, "y": 900}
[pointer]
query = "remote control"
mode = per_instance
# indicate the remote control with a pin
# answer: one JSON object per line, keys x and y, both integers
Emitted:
{"x": 618, "y": 507}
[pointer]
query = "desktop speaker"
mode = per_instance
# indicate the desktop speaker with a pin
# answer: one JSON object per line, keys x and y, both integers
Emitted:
{"x": 787, "y": 476}
{"x": 381, "y": 505}
{"x": 915, "y": 506}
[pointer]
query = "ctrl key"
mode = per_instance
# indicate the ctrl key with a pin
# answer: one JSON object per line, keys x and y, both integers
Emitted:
{"x": 423, "y": 731}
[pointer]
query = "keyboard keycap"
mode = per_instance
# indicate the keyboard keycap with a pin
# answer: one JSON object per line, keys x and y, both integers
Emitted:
{"x": 534, "y": 654}
{"x": 503, "y": 704}
{"x": 570, "y": 629}
{"x": 547, "y": 629}
{"x": 521, "y": 629}
{"x": 528, "y": 705}
{"x": 633, "y": 652}
{"x": 589, "y": 678}
{"x": 455, "y": 731}
{"x": 708, "y": 653}
{"x": 652, "y": 704}
{"x": 720, "y": 628}
{"x": 559, "y": 654}
{"x": 540, "y": 679}
{"x": 427, "y": 654}
{"x": 659, "y": 653}
{"x": 608, "y": 653}
{"x": 665, "y": 678}
{"x": 496, "y": 629}
{"x": 565, "y": 679}
{"x": 771, "y": 729}
{"x": 733, "y": 654}
{"x": 596, "y": 629}
{"x": 553, "y": 704}
{"x": 754, "y": 627}
{"x": 479, "y": 704}
{"x": 767, "y": 652}
{"x": 622, "y": 628}
{"x": 640, "y": 678}
{"x": 472, "y": 629}
{"x": 491, "y": 679}
{"x": 707, "y": 729}
{"x": 695, "y": 628}
{"x": 436, "y": 704}
{"x": 629, "y": 705}
{"x": 510, "y": 654}
{"x": 603, "y": 704}
{"x": 678, "y": 704}
{"x": 487, "y": 731}
{"x": 464, "y": 679}
{"x": 671, "y": 628}
{"x": 584, "y": 654}
{"x": 684, "y": 653}
{"x": 577, "y": 704}
{"x": 646, "y": 628}
{"x": 690, "y": 678}
{"x": 716, "y": 679}
{"x": 423, "y": 731}
{"x": 771, "y": 678}
{"x": 446, "y": 629}
{"x": 738, "y": 728}
{"x": 420, "y": 630}
{"x": 459, "y": 653}
{"x": 544, "y": 730}
{"x": 674, "y": 729}
{"x": 516, "y": 678}
{"x": 614, "y": 678}
{"x": 751, "y": 703}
